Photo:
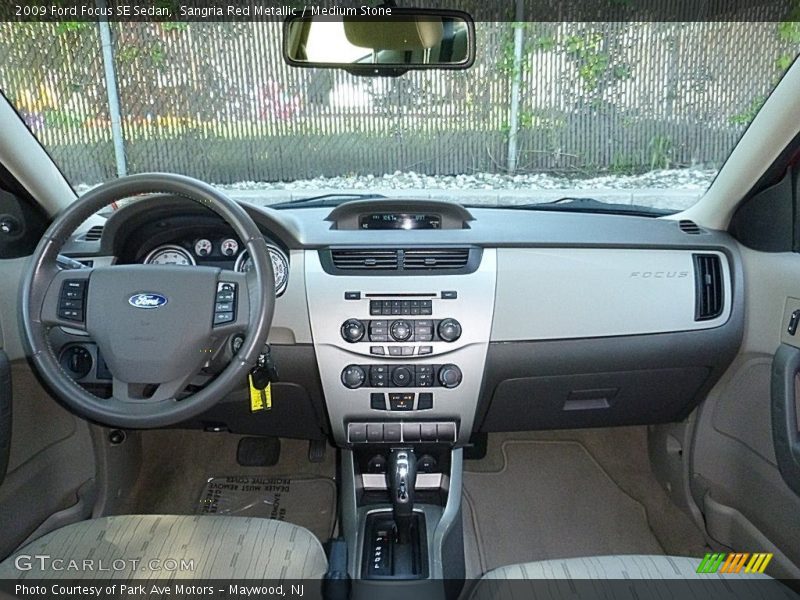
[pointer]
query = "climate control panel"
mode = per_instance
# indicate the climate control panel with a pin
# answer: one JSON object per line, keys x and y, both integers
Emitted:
{"x": 392, "y": 347}
{"x": 401, "y": 376}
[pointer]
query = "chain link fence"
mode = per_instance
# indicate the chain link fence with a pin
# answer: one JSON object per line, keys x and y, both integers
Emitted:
{"x": 216, "y": 100}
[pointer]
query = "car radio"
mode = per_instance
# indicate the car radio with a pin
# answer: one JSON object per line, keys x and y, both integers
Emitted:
{"x": 399, "y": 349}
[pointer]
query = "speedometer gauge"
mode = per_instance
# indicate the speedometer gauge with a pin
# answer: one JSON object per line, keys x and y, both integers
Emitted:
{"x": 169, "y": 255}
{"x": 280, "y": 267}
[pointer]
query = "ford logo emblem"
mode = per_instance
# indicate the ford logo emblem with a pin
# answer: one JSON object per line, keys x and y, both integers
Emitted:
{"x": 147, "y": 300}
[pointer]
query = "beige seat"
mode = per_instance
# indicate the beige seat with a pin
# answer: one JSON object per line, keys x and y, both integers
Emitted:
{"x": 604, "y": 578}
{"x": 160, "y": 546}
{"x": 624, "y": 566}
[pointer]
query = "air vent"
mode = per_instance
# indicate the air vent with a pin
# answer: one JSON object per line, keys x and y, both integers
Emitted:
{"x": 440, "y": 258}
{"x": 410, "y": 261}
{"x": 690, "y": 227}
{"x": 709, "y": 287}
{"x": 94, "y": 234}
{"x": 364, "y": 259}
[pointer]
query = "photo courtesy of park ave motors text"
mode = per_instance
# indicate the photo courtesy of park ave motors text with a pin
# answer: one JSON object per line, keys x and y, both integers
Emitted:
{"x": 430, "y": 299}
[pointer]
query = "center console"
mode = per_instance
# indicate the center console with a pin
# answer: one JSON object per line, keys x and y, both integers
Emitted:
{"x": 401, "y": 354}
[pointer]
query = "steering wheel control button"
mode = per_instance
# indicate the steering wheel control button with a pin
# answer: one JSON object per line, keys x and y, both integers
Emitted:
{"x": 377, "y": 401}
{"x": 73, "y": 288}
{"x": 225, "y": 303}
{"x": 71, "y": 302}
{"x": 353, "y": 377}
{"x": 357, "y": 433}
{"x": 450, "y": 376}
{"x": 221, "y": 318}
{"x": 402, "y": 331}
{"x": 449, "y": 330}
{"x": 425, "y": 401}
{"x": 401, "y": 401}
{"x": 353, "y": 330}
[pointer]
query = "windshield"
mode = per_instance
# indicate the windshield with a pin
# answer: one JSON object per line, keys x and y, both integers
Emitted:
{"x": 625, "y": 113}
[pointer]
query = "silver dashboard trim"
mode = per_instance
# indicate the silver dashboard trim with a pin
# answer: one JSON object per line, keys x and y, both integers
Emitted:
{"x": 328, "y": 310}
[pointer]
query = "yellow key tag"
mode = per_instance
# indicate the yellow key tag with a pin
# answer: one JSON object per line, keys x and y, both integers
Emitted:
{"x": 260, "y": 399}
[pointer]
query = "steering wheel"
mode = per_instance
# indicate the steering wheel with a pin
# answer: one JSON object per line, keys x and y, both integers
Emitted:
{"x": 155, "y": 325}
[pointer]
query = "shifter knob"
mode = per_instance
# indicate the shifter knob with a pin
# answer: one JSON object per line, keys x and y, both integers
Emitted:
{"x": 402, "y": 475}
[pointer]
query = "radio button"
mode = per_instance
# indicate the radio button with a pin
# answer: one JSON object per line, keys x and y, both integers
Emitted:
{"x": 353, "y": 330}
{"x": 402, "y": 330}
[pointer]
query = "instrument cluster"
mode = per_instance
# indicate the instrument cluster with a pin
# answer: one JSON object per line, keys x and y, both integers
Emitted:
{"x": 225, "y": 252}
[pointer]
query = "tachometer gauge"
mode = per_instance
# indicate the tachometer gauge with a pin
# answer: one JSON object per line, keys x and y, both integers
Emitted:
{"x": 229, "y": 247}
{"x": 280, "y": 267}
{"x": 202, "y": 247}
{"x": 169, "y": 255}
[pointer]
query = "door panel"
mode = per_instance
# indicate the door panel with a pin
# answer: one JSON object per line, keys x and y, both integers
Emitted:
{"x": 785, "y": 421}
{"x": 50, "y": 455}
{"x": 735, "y": 478}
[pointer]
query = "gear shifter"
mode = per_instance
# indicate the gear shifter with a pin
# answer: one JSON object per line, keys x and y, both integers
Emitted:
{"x": 402, "y": 475}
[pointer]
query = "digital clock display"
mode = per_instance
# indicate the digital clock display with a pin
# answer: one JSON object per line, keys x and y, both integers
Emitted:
{"x": 400, "y": 221}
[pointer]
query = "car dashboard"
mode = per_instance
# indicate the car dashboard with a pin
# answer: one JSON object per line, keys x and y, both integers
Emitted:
{"x": 422, "y": 321}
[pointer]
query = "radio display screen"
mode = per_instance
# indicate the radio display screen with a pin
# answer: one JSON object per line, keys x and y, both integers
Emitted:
{"x": 400, "y": 221}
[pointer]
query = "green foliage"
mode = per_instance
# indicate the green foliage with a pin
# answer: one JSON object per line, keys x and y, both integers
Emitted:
{"x": 746, "y": 116}
{"x": 66, "y": 27}
{"x": 661, "y": 151}
{"x": 596, "y": 65}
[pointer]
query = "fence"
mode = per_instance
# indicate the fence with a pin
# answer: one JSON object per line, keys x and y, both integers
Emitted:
{"x": 216, "y": 101}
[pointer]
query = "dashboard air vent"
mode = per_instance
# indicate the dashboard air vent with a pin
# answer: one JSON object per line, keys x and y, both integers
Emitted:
{"x": 690, "y": 227}
{"x": 364, "y": 259}
{"x": 440, "y": 258}
{"x": 94, "y": 234}
{"x": 708, "y": 287}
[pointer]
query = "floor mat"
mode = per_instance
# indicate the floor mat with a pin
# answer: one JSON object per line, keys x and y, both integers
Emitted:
{"x": 551, "y": 499}
{"x": 306, "y": 501}
{"x": 177, "y": 466}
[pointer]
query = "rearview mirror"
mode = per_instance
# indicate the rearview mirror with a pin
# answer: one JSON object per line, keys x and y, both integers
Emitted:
{"x": 395, "y": 42}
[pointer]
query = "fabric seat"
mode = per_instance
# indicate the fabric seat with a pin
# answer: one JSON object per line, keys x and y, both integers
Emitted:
{"x": 199, "y": 547}
{"x": 609, "y": 577}
{"x": 633, "y": 566}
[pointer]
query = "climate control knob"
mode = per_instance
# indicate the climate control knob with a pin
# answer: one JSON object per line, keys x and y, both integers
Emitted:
{"x": 449, "y": 330}
{"x": 401, "y": 330}
{"x": 353, "y": 376}
{"x": 402, "y": 377}
{"x": 353, "y": 330}
{"x": 449, "y": 376}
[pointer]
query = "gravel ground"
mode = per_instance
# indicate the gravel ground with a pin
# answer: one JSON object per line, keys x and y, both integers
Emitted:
{"x": 687, "y": 179}
{"x": 674, "y": 189}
